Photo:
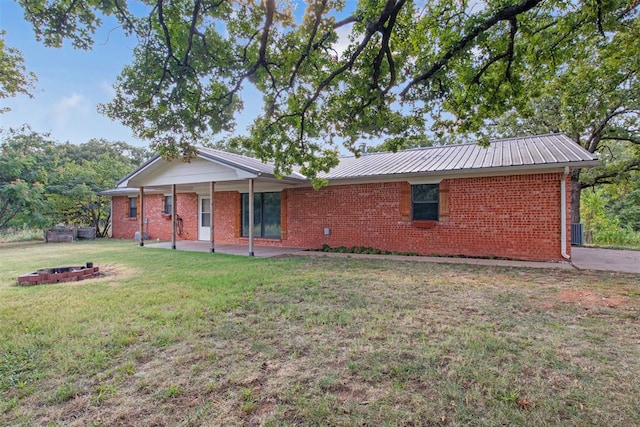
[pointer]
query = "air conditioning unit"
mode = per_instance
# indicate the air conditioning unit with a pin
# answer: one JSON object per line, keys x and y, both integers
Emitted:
{"x": 577, "y": 235}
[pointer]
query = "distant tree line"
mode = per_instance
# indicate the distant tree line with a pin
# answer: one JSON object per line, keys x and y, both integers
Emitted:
{"x": 44, "y": 182}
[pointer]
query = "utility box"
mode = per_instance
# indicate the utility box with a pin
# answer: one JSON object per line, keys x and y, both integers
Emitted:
{"x": 145, "y": 235}
{"x": 577, "y": 234}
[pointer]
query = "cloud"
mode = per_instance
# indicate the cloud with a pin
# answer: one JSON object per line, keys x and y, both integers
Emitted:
{"x": 69, "y": 107}
{"x": 108, "y": 89}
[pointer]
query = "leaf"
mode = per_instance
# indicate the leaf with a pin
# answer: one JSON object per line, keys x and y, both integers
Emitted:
{"x": 524, "y": 404}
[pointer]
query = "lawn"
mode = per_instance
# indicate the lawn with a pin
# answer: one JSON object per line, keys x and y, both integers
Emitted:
{"x": 180, "y": 338}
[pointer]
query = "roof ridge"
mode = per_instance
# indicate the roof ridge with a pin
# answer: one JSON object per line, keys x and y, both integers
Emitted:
{"x": 529, "y": 136}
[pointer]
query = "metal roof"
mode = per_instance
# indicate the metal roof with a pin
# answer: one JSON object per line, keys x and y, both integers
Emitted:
{"x": 553, "y": 150}
{"x": 540, "y": 151}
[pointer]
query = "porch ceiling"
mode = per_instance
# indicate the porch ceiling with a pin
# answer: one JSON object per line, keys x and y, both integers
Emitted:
{"x": 261, "y": 184}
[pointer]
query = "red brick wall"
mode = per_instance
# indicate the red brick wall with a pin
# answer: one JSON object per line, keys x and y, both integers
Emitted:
{"x": 514, "y": 217}
{"x": 226, "y": 209}
{"x": 122, "y": 227}
{"x": 158, "y": 225}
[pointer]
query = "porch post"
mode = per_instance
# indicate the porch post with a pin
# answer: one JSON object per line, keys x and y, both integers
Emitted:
{"x": 141, "y": 216}
{"x": 211, "y": 216}
{"x": 251, "y": 217}
{"x": 110, "y": 217}
{"x": 174, "y": 218}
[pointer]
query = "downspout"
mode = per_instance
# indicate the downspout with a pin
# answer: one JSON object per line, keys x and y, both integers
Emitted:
{"x": 141, "y": 216}
{"x": 174, "y": 215}
{"x": 110, "y": 217}
{"x": 212, "y": 210}
{"x": 563, "y": 214}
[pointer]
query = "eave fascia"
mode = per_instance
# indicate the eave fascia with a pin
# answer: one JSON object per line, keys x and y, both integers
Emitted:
{"x": 136, "y": 171}
{"x": 122, "y": 191}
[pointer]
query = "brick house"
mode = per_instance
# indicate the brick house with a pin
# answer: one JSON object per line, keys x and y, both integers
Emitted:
{"x": 508, "y": 200}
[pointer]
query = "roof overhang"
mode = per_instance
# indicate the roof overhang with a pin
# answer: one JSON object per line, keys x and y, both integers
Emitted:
{"x": 436, "y": 176}
{"x": 123, "y": 191}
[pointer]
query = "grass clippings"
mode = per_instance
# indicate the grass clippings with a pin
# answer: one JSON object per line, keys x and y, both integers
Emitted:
{"x": 182, "y": 338}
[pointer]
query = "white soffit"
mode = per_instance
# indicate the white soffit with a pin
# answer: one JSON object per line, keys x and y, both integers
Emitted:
{"x": 162, "y": 172}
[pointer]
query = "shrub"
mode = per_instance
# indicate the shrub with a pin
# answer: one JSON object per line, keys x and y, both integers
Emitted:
{"x": 363, "y": 250}
{"x": 605, "y": 228}
{"x": 21, "y": 234}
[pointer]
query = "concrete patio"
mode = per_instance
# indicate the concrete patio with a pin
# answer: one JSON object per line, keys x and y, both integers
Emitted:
{"x": 267, "y": 252}
{"x": 583, "y": 258}
{"x": 197, "y": 246}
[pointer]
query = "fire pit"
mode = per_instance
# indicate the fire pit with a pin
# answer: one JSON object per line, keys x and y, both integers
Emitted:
{"x": 58, "y": 274}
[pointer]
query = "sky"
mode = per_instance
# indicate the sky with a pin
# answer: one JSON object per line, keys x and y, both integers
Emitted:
{"x": 71, "y": 83}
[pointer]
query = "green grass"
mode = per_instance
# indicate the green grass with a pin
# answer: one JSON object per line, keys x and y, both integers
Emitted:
{"x": 183, "y": 338}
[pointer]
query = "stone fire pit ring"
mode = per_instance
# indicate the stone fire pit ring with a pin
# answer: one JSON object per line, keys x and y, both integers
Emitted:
{"x": 58, "y": 274}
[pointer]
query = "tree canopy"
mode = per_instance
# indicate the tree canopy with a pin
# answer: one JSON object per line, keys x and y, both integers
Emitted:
{"x": 596, "y": 101}
{"x": 25, "y": 159}
{"x": 43, "y": 182}
{"x": 331, "y": 72}
{"x": 14, "y": 77}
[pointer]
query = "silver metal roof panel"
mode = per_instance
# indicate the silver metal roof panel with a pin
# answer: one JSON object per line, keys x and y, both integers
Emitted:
{"x": 248, "y": 164}
{"x": 552, "y": 150}
{"x": 540, "y": 150}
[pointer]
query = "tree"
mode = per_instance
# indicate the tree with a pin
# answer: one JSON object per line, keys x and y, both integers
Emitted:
{"x": 621, "y": 192}
{"x": 627, "y": 208}
{"x": 85, "y": 171}
{"x": 14, "y": 78}
{"x": 27, "y": 157}
{"x": 455, "y": 62}
{"x": 596, "y": 101}
{"x": 43, "y": 182}
{"x": 99, "y": 148}
{"x": 602, "y": 224}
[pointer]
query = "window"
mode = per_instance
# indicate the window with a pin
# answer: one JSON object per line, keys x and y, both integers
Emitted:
{"x": 424, "y": 202}
{"x": 168, "y": 205}
{"x": 266, "y": 215}
{"x": 205, "y": 212}
{"x": 133, "y": 207}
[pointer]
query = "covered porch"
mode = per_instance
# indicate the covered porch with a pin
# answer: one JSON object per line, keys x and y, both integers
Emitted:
{"x": 210, "y": 172}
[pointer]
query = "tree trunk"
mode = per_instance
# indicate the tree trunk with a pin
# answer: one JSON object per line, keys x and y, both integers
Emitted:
{"x": 576, "y": 189}
{"x": 107, "y": 225}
